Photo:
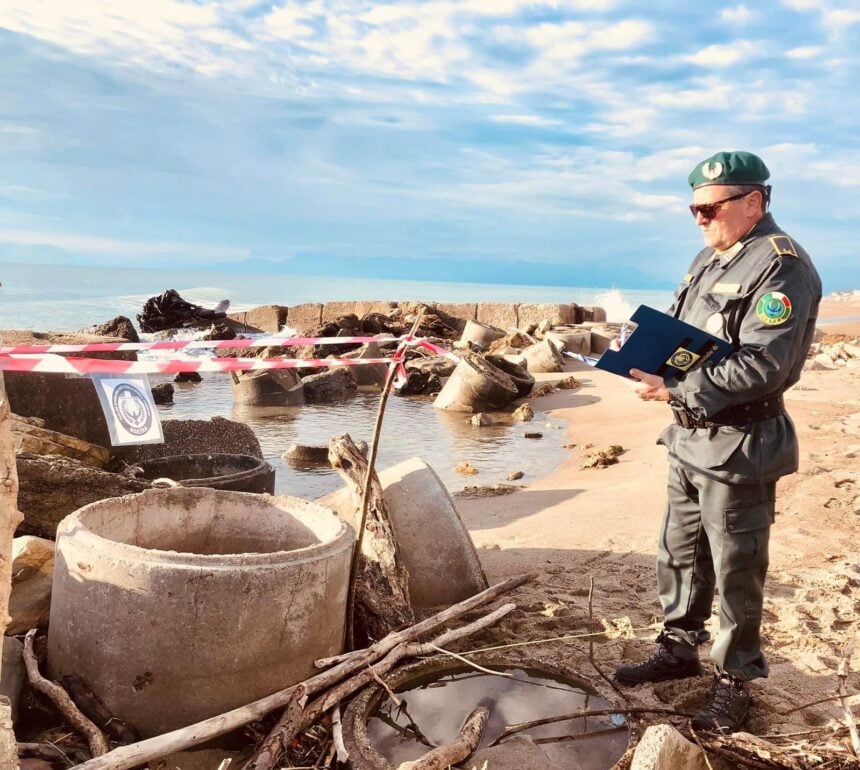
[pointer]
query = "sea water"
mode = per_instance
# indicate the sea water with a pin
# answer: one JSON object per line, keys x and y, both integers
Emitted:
{"x": 62, "y": 298}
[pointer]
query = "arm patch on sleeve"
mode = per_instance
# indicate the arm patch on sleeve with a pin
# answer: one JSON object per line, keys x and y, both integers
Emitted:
{"x": 783, "y": 245}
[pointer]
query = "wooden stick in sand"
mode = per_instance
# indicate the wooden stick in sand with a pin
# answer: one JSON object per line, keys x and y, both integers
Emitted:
{"x": 10, "y": 517}
{"x": 126, "y": 757}
{"x": 463, "y": 745}
{"x": 842, "y": 675}
{"x": 366, "y": 492}
{"x": 58, "y": 696}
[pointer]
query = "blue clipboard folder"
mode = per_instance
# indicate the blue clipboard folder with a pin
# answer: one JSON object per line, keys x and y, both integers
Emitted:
{"x": 663, "y": 345}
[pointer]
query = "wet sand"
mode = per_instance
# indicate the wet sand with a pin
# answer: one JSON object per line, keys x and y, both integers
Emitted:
{"x": 577, "y": 524}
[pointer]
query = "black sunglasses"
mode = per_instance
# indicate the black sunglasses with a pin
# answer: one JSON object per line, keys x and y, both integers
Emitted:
{"x": 709, "y": 210}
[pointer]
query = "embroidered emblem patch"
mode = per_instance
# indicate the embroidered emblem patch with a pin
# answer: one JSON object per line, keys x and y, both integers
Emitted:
{"x": 712, "y": 170}
{"x": 683, "y": 359}
{"x": 773, "y": 308}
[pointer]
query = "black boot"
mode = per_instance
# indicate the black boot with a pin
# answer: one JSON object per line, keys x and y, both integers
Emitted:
{"x": 672, "y": 660}
{"x": 729, "y": 706}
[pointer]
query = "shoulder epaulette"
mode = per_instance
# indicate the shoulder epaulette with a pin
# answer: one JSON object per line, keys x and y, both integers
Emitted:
{"x": 783, "y": 245}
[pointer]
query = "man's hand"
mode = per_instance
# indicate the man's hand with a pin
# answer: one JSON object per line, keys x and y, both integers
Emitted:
{"x": 652, "y": 388}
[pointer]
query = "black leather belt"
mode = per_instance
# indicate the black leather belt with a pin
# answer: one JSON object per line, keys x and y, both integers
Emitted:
{"x": 742, "y": 414}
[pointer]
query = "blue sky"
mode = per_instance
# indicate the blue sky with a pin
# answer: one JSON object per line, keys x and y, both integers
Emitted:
{"x": 164, "y": 132}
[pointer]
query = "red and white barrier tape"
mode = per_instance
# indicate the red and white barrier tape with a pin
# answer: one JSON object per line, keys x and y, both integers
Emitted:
{"x": 259, "y": 342}
{"x": 54, "y": 364}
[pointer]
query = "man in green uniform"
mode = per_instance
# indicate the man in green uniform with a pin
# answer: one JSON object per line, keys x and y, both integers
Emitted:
{"x": 731, "y": 439}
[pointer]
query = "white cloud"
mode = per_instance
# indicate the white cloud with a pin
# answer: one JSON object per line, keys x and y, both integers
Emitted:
{"x": 805, "y": 52}
{"x": 117, "y": 247}
{"x": 525, "y": 120}
{"x": 738, "y": 14}
{"x": 725, "y": 55}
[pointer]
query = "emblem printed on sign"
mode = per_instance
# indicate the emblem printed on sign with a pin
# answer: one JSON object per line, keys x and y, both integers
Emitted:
{"x": 683, "y": 359}
{"x": 129, "y": 409}
{"x": 773, "y": 308}
{"x": 712, "y": 170}
{"x": 132, "y": 409}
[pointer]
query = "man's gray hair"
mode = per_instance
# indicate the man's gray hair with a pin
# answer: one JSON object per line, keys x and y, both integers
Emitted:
{"x": 742, "y": 189}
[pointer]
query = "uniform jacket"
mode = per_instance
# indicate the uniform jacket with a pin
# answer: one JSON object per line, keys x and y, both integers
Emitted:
{"x": 726, "y": 293}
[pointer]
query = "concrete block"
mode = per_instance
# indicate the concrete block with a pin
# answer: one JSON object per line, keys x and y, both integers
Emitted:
{"x": 333, "y": 310}
{"x": 534, "y": 313}
{"x": 662, "y": 747}
{"x": 434, "y": 544}
{"x": 238, "y": 594}
{"x": 187, "y": 437}
{"x": 32, "y": 573}
{"x": 266, "y": 318}
{"x": 543, "y": 356}
{"x": 305, "y": 318}
{"x": 601, "y": 337}
{"x": 68, "y": 405}
{"x": 411, "y": 306}
{"x": 466, "y": 311}
{"x": 501, "y": 314}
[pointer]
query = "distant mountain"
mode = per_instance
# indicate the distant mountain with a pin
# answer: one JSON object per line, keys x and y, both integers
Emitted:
{"x": 457, "y": 270}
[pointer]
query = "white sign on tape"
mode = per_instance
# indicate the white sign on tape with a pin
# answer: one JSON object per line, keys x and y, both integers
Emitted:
{"x": 129, "y": 409}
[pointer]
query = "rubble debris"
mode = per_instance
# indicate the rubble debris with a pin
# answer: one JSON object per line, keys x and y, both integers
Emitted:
{"x": 544, "y": 389}
{"x": 162, "y": 393}
{"x": 30, "y": 437}
{"x": 170, "y": 311}
{"x": 14, "y": 674}
{"x": 32, "y": 574}
{"x": 532, "y": 434}
{"x": 183, "y": 437}
{"x": 515, "y": 475}
{"x": 219, "y": 332}
{"x": 603, "y": 458}
{"x": 465, "y": 469}
{"x": 329, "y": 385}
{"x": 515, "y": 340}
{"x": 489, "y": 490}
{"x": 52, "y": 487}
{"x": 515, "y": 367}
{"x": 188, "y": 377}
{"x": 120, "y": 327}
{"x": 481, "y": 420}
{"x": 568, "y": 383}
{"x": 662, "y": 746}
{"x": 523, "y": 413}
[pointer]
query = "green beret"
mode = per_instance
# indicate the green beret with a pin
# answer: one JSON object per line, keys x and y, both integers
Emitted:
{"x": 731, "y": 168}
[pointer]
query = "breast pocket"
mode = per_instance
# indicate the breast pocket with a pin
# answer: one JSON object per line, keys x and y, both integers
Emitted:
{"x": 725, "y": 316}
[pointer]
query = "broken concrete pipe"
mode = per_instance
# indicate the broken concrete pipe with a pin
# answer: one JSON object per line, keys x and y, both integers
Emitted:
{"x": 176, "y": 605}
{"x": 476, "y": 385}
{"x": 236, "y": 473}
{"x": 543, "y": 356}
{"x": 443, "y": 570}
{"x": 480, "y": 334}
{"x": 516, "y": 368}
{"x": 275, "y": 387}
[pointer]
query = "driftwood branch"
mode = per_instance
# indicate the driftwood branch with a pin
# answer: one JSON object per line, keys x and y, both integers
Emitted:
{"x": 276, "y": 742}
{"x": 379, "y": 581}
{"x": 337, "y": 735}
{"x": 140, "y": 753}
{"x": 363, "y": 494}
{"x": 842, "y": 675}
{"x": 463, "y": 745}
{"x": 58, "y": 696}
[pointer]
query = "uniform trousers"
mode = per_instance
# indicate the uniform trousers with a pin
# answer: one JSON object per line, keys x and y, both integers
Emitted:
{"x": 715, "y": 536}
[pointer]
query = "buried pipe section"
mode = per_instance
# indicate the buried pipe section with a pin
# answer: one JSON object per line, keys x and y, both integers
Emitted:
{"x": 176, "y": 605}
{"x": 236, "y": 473}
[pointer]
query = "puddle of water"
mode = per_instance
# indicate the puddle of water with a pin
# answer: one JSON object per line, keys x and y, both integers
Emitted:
{"x": 411, "y": 428}
{"x": 440, "y": 706}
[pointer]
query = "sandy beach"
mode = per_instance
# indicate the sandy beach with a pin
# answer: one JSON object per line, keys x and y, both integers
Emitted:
{"x": 577, "y": 524}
